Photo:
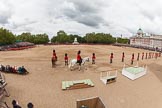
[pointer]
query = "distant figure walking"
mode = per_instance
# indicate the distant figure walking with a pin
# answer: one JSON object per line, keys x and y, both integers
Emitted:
{"x": 138, "y": 56}
{"x": 132, "y": 59}
{"x": 111, "y": 57}
{"x": 93, "y": 58}
{"x": 123, "y": 57}
{"x": 66, "y": 59}
{"x": 54, "y": 54}
{"x": 142, "y": 55}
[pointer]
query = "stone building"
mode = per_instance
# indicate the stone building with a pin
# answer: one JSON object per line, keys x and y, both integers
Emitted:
{"x": 146, "y": 41}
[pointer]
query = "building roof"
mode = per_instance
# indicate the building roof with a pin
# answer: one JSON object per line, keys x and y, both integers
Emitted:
{"x": 140, "y": 31}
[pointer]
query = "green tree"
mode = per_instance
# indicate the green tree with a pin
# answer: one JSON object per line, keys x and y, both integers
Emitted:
{"x": 25, "y": 37}
{"x": 100, "y": 38}
{"x": 37, "y": 39}
{"x": 41, "y": 39}
{"x": 123, "y": 40}
{"x": 61, "y": 37}
{"x": 95, "y": 38}
{"x": 6, "y": 37}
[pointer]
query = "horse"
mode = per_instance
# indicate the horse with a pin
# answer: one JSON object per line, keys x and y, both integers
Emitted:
{"x": 73, "y": 62}
{"x": 53, "y": 60}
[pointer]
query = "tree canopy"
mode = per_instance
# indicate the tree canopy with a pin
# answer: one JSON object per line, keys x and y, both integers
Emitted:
{"x": 37, "y": 39}
{"x": 123, "y": 40}
{"x": 95, "y": 38}
{"x": 62, "y": 37}
{"x": 99, "y": 38}
{"x": 6, "y": 37}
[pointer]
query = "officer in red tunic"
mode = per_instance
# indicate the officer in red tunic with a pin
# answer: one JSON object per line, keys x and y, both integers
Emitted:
{"x": 79, "y": 59}
{"x": 146, "y": 56}
{"x": 132, "y": 58}
{"x": 111, "y": 57}
{"x": 138, "y": 56}
{"x": 142, "y": 55}
{"x": 123, "y": 57}
{"x": 149, "y": 55}
{"x": 66, "y": 59}
{"x": 93, "y": 58}
{"x": 54, "y": 54}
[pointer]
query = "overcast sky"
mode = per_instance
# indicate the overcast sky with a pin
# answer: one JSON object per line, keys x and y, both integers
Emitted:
{"x": 81, "y": 16}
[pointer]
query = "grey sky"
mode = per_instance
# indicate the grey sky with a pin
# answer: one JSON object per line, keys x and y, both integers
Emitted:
{"x": 81, "y": 16}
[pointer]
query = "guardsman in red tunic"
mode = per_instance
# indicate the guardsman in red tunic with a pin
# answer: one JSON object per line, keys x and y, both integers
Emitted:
{"x": 66, "y": 59}
{"x": 146, "y": 56}
{"x": 132, "y": 58}
{"x": 93, "y": 58}
{"x": 149, "y": 55}
{"x": 142, "y": 55}
{"x": 123, "y": 57}
{"x": 138, "y": 56}
{"x": 54, "y": 54}
{"x": 79, "y": 59}
{"x": 111, "y": 57}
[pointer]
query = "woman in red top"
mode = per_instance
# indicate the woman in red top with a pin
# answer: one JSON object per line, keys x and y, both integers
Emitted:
{"x": 93, "y": 58}
{"x": 66, "y": 59}
{"x": 79, "y": 59}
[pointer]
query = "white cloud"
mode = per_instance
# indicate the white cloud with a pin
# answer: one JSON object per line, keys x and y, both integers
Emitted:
{"x": 78, "y": 16}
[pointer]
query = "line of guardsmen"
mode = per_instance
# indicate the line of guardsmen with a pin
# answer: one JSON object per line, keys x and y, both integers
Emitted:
{"x": 143, "y": 56}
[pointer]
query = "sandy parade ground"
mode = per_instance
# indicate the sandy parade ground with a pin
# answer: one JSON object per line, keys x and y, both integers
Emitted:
{"x": 42, "y": 86}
